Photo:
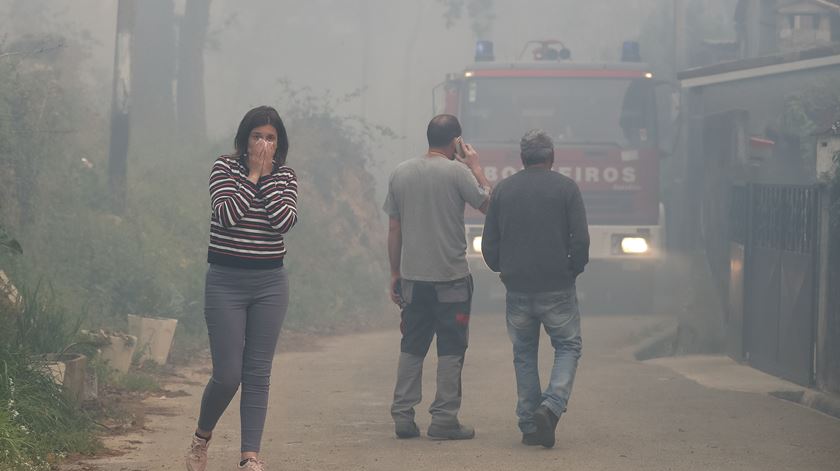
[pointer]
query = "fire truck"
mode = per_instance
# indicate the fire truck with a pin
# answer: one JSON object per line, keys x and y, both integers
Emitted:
{"x": 603, "y": 119}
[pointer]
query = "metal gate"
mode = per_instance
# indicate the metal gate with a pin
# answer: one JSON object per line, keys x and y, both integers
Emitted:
{"x": 738, "y": 234}
{"x": 779, "y": 300}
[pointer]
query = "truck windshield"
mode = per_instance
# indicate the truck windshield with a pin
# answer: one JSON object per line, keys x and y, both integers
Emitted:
{"x": 615, "y": 111}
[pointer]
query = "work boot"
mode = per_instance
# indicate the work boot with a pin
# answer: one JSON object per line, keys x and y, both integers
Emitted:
{"x": 450, "y": 432}
{"x": 546, "y": 422}
{"x": 531, "y": 439}
{"x": 406, "y": 430}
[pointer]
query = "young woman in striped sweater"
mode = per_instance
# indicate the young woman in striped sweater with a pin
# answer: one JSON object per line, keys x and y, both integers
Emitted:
{"x": 254, "y": 202}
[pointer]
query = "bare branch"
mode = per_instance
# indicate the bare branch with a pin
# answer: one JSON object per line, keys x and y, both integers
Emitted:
{"x": 39, "y": 50}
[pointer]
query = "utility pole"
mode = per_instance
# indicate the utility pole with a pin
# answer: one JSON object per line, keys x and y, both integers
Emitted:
{"x": 678, "y": 196}
{"x": 680, "y": 49}
{"x": 364, "y": 23}
{"x": 120, "y": 106}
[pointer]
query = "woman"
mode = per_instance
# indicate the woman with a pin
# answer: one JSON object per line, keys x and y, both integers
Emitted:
{"x": 254, "y": 202}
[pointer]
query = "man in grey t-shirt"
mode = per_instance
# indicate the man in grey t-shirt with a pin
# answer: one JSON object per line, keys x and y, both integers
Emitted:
{"x": 430, "y": 277}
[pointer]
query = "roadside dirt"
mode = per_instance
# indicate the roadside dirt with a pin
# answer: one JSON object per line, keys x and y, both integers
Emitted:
{"x": 329, "y": 411}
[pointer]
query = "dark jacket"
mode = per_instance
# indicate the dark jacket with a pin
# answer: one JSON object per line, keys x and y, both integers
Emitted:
{"x": 535, "y": 232}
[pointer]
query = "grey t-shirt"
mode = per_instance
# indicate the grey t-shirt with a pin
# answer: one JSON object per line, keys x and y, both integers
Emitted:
{"x": 427, "y": 195}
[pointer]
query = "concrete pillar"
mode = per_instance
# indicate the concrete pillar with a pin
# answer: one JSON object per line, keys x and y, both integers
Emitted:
{"x": 823, "y": 363}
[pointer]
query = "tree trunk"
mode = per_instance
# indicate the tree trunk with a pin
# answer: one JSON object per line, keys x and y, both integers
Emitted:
{"x": 153, "y": 74}
{"x": 120, "y": 106}
{"x": 190, "y": 88}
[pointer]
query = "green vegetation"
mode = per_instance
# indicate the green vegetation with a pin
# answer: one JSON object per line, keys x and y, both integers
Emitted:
{"x": 151, "y": 259}
{"x": 135, "y": 381}
{"x": 481, "y": 14}
{"x": 37, "y": 424}
{"x": 336, "y": 258}
{"x": 83, "y": 266}
{"x": 807, "y": 112}
{"x": 78, "y": 265}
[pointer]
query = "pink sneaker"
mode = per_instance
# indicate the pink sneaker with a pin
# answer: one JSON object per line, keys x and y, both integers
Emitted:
{"x": 252, "y": 464}
{"x": 197, "y": 456}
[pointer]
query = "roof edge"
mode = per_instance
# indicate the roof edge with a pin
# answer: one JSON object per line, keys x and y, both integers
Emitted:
{"x": 764, "y": 61}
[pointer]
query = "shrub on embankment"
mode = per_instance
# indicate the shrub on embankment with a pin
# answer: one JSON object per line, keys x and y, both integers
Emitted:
{"x": 150, "y": 259}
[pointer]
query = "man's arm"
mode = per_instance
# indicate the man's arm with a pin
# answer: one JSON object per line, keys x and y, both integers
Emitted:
{"x": 485, "y": 206}
{"x": 491, "y": 238}
{"x": 394, "y": 254}
{"x": 578, "y": 232}
{"x": 472, "y": 163}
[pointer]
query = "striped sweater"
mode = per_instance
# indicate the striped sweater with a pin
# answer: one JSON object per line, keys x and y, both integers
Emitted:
{"x": 248, "y": 220}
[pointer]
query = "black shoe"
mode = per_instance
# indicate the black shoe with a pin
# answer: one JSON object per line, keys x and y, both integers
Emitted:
{"x": 454, "y": 432}
{"x": 406, "y": 430}
{"x": 546, "y": 423}
{"x": 531, "y": 439}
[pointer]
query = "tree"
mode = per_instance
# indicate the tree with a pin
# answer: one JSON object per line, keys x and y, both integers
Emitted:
{"x": 153, "y": 71}
{"x": 480, "y": 13}
{"x": 120, "y": 106}
{"x": 146, "y": 71}
{"x": 190, "y": 88}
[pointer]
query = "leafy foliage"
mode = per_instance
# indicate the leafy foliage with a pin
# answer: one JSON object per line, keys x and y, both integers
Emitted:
{"x": 37, "y": 424}
{"x": 152, "y": 258}
{"x": 43, "y": 326}
{"x": 809, "y": 110}
{"x": 8, "y": 243}
{"x": 480, "y": 13}
{"x": 337, "y": 251}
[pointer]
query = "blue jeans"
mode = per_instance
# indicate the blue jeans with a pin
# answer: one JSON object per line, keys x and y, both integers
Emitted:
{"x": 557, "y": 312}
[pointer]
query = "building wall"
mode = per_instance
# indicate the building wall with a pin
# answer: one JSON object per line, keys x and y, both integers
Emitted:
{"x": 765, "y": 101}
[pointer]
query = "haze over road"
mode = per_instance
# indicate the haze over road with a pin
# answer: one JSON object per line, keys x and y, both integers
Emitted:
{"x": 329, "y": 411}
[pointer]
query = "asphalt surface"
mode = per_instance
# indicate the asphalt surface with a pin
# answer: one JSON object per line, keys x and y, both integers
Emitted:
{"x": 329, "y": 411}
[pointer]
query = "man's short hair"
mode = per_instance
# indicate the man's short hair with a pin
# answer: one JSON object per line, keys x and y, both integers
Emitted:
{"x": 442, "y": 129}
{"x": 536, "y": 147}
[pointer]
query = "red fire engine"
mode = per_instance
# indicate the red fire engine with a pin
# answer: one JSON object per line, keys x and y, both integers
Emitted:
{"x": 603, "y": 119}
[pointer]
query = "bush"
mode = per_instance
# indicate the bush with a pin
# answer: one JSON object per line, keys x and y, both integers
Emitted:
{"x": 151, "y": 259}
{"x": 37, "y": 425}
{"x": 43, "y": 326}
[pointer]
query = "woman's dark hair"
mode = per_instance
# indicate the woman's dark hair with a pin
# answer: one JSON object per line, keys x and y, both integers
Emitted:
{"x": 260, "y": 116}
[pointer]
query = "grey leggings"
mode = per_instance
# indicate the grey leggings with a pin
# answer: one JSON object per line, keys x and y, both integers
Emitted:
{"x": 244, "y": 310}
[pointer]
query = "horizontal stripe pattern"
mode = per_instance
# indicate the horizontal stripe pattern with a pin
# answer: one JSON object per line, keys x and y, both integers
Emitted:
{"x": 248, "y": 220}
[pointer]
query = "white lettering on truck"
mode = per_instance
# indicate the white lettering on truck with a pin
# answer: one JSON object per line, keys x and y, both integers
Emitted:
{"x": 625, "y": 175}
{"x": 596, "y": 174}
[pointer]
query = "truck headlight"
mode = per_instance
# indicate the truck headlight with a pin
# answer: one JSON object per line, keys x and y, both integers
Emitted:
{"x": 634, "y": 245}
{"x": 476, "y": 244}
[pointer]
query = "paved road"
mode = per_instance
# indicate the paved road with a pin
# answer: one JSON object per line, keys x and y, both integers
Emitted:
{"x": 329, "y": 411}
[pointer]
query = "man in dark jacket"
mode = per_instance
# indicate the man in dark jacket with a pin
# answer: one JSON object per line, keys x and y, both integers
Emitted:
{"x": 536, "y": 236}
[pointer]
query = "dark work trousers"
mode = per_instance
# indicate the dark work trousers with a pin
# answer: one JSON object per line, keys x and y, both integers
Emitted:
{"x": 244, "y": 310}
{"x": 441, "y": 309}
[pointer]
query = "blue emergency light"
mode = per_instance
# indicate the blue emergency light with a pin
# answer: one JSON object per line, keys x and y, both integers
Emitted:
{"x": 631, "y": 52}
{"x": 484, "y": 51}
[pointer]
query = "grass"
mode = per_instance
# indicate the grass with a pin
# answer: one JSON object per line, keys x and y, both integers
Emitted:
{"x": 44, "y": 326}
{"x": 37, "y": 424}
{"x": 13, "y": 442}
{"x": 152, "y": 258}
{"x": 135, "y": 381}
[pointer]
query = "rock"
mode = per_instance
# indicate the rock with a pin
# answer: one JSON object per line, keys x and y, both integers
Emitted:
{"x": 10, "y": 299}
